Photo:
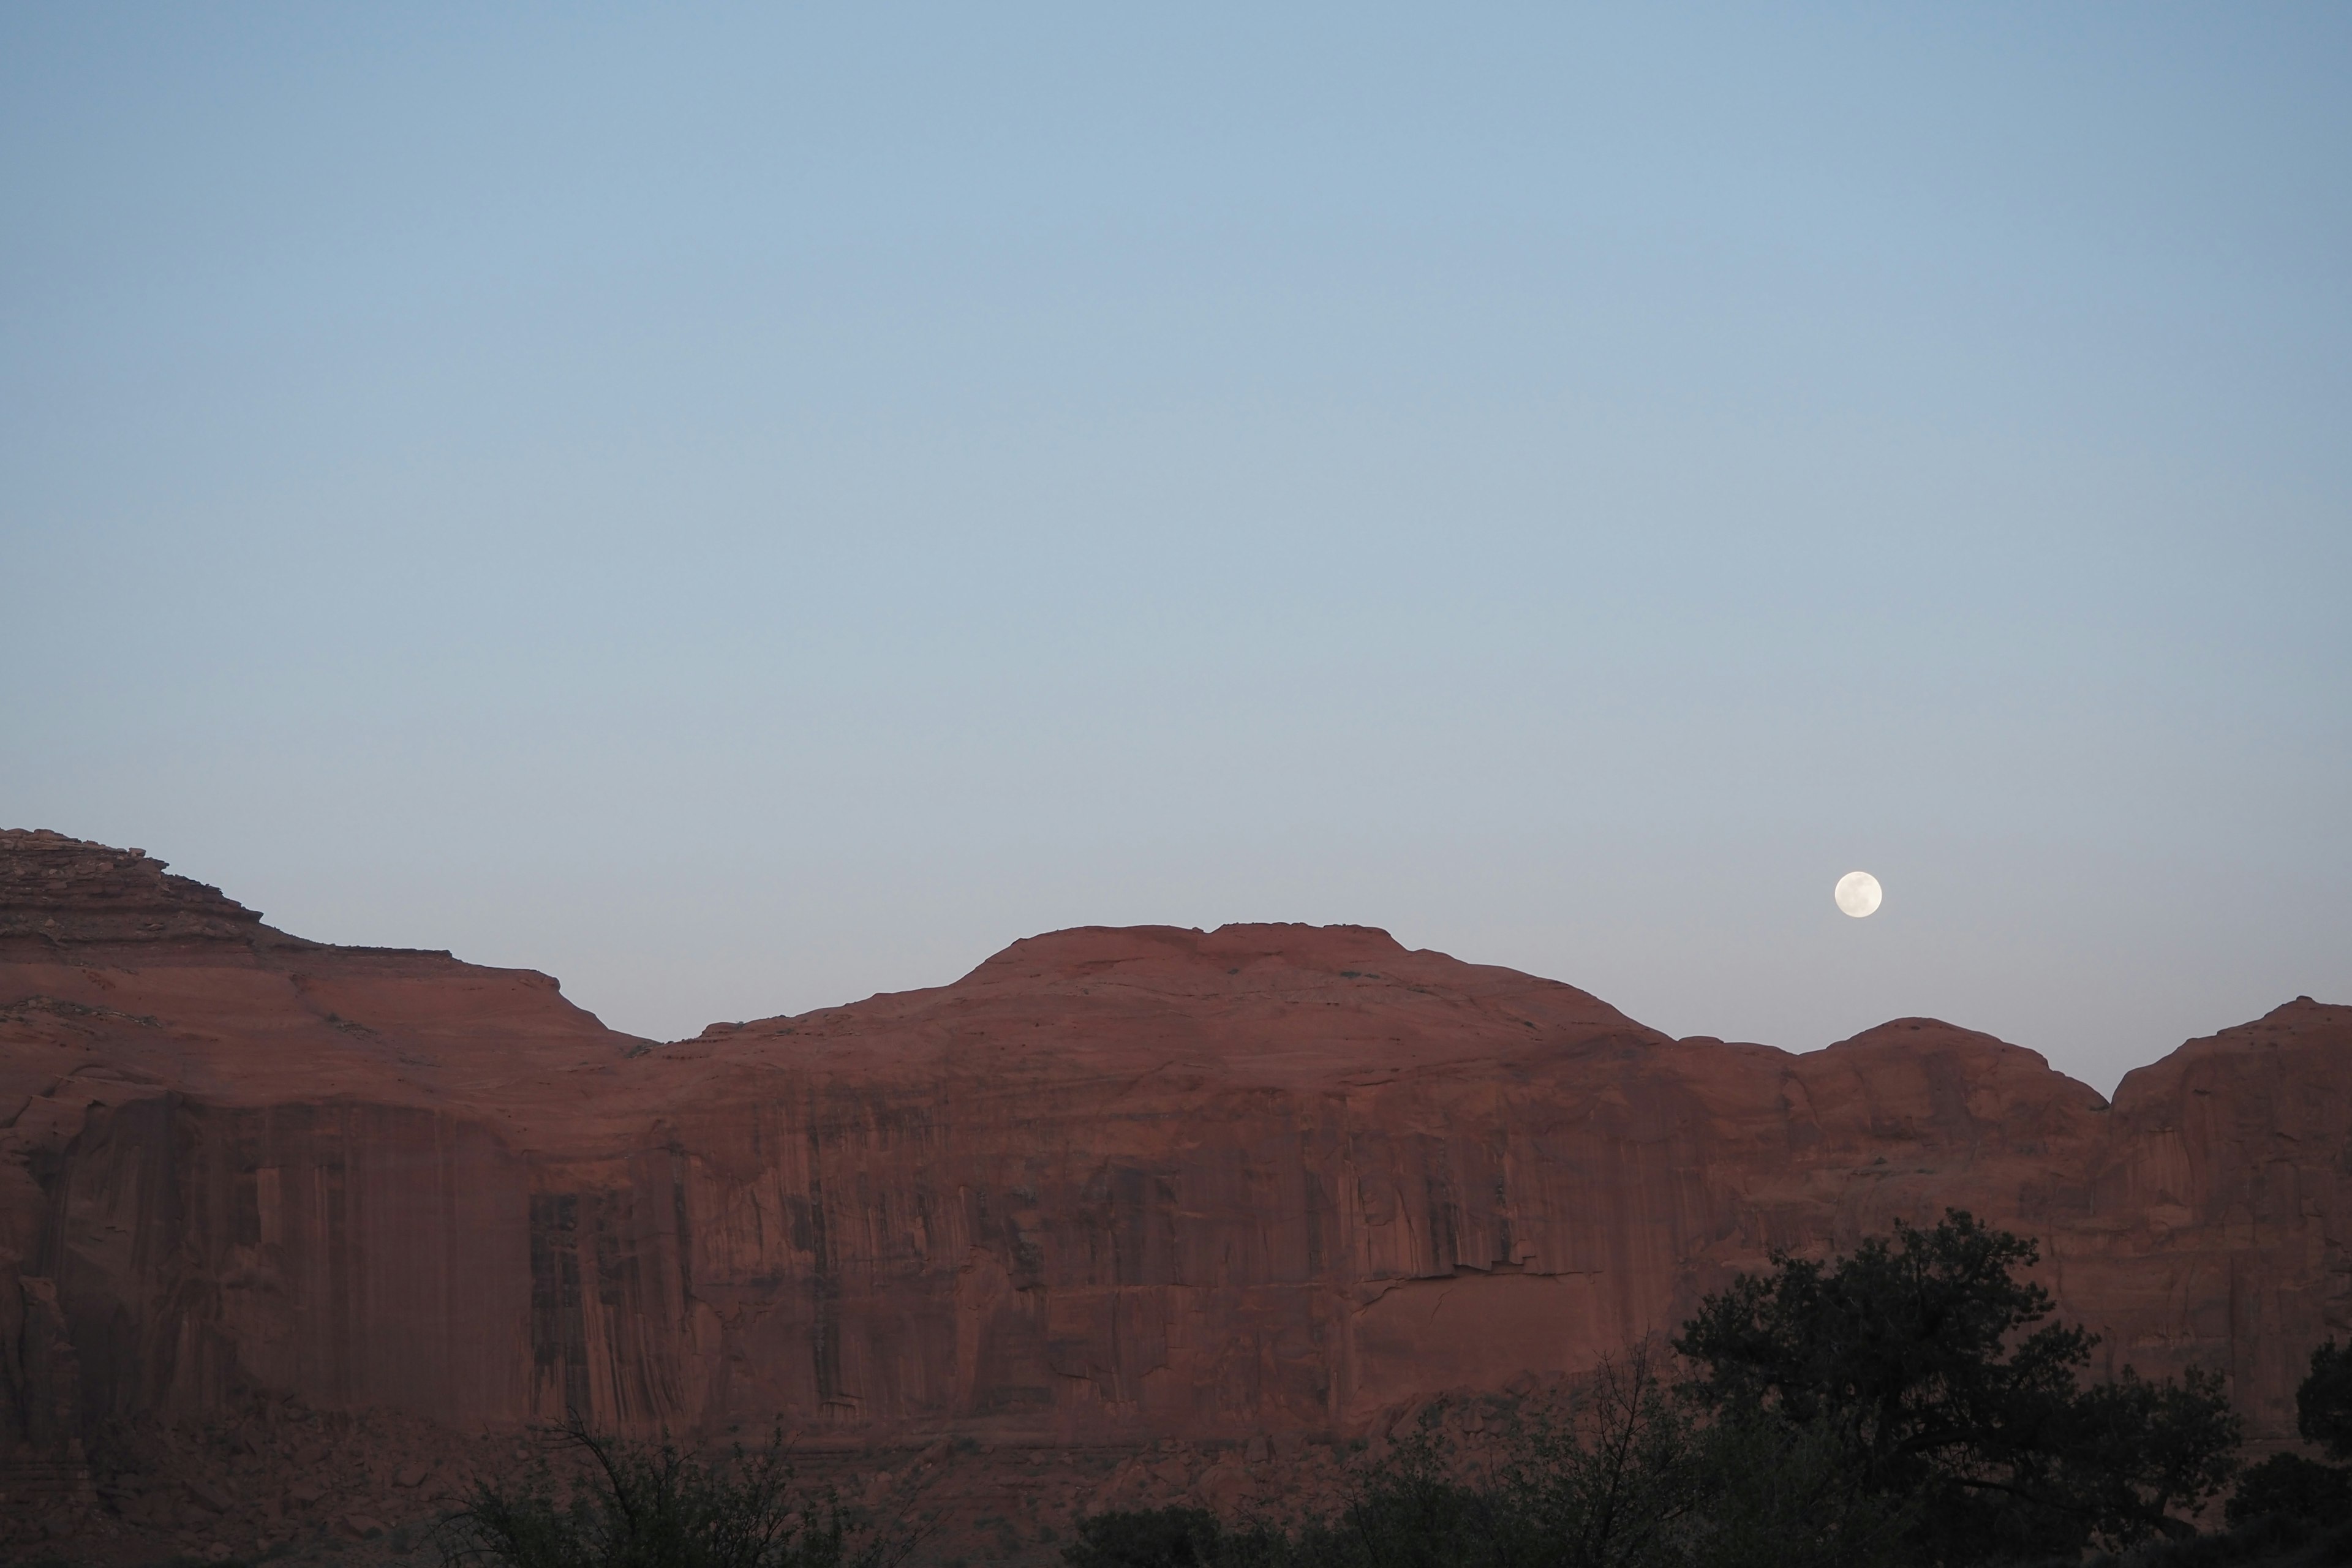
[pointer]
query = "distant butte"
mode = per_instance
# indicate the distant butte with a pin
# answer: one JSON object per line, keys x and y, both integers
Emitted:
{"x": 1113, "y": 1184}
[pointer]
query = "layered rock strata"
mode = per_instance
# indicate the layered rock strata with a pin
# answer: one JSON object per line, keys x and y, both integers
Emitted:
{"x": 1114, "y": 1187}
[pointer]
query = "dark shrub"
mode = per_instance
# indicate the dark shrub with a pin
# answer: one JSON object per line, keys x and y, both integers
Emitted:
{"x": 1148, "y": 1538}
{"x": 2291, "y": 1487}
{"x": 2323, "y": 1405}
{"x": 653, "y": 1505}
{"x": 1621, "y": 1478}
{"x": 1930, "y": 1364}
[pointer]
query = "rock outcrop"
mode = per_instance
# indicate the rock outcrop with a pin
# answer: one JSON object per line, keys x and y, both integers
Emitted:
{"x": 1112, "y": 1185}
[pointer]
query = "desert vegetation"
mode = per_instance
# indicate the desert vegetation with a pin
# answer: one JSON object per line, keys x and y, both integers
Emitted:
{"x": 598, "y": 1501}
{"x": 1911, "y": 1403}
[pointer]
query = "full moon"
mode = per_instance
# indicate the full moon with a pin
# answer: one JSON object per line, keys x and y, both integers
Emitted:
{"x": 1858, "y": 893}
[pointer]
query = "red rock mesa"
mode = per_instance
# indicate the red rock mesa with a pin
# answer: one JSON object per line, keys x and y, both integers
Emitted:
{"x": 1113, "y": 1183}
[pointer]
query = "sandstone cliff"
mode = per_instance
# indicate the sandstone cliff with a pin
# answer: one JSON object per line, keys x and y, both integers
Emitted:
{"x": 1112, "y": 1183}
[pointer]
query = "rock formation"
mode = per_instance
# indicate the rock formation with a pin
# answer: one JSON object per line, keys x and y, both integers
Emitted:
{"x": 1113, "y": 1186}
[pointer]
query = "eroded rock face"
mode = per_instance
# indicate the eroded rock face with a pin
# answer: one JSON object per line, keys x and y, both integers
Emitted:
{"x": 1113, "y": 1184}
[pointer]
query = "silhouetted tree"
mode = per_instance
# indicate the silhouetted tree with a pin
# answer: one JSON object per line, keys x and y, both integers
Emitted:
{"x": 1931, "y": 1366}
{"x": 2290, "y": 1487}
{"x": 2323, "y": 1403}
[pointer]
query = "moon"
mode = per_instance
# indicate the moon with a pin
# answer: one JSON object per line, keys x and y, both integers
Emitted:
{"x": 1858, "y": 894}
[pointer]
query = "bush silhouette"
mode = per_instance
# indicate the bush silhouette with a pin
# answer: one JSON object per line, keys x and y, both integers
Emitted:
{"x": 1930, "y": 1364}
{"x": 1908, "y": 1404}
{"x": 654, "y": 1505}
{"x": 2289, "y": 1486}
{"x": 2322, "y": 1404}
{"x": 1164, "y": 1538}
{"x": 1622, "y": 1478}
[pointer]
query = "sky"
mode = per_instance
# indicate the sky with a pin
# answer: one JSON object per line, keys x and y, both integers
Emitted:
{"x": 743, "y": 508}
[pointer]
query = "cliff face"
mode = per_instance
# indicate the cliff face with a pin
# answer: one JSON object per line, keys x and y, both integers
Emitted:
{"x": 1111, "y": 1184}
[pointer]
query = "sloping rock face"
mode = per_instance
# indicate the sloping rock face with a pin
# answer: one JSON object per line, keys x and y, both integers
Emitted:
{"x": 1113, "y": 1184}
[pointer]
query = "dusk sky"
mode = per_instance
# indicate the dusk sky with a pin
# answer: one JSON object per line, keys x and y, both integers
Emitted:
{"x": 744, "y": 509}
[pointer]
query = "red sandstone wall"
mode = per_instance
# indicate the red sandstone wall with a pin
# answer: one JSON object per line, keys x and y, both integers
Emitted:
{"x": 1263, "y": 1179}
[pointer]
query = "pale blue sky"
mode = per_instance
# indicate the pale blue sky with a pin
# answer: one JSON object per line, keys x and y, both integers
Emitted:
{"x": 745, "y": 509}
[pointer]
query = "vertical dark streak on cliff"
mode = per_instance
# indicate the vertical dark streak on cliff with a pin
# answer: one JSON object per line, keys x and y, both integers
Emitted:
{"x": 558, "y": 1335}
{"x": 681, "y": 1216}
{"x": 1437, "y": 1190}
{"x": 615, "y": 1262}
{"x": 453, "y": 1258}
{"x": 245, "y": 1219}
{"x": 1127, "y": 1218}
{"x": 161, "y": 1261}
{"x": 332, "y": 1190}
{"x": 824, "y": 1282}
{"x": 1312, "y": 1210}
{"x": 1506, "y": 1251}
